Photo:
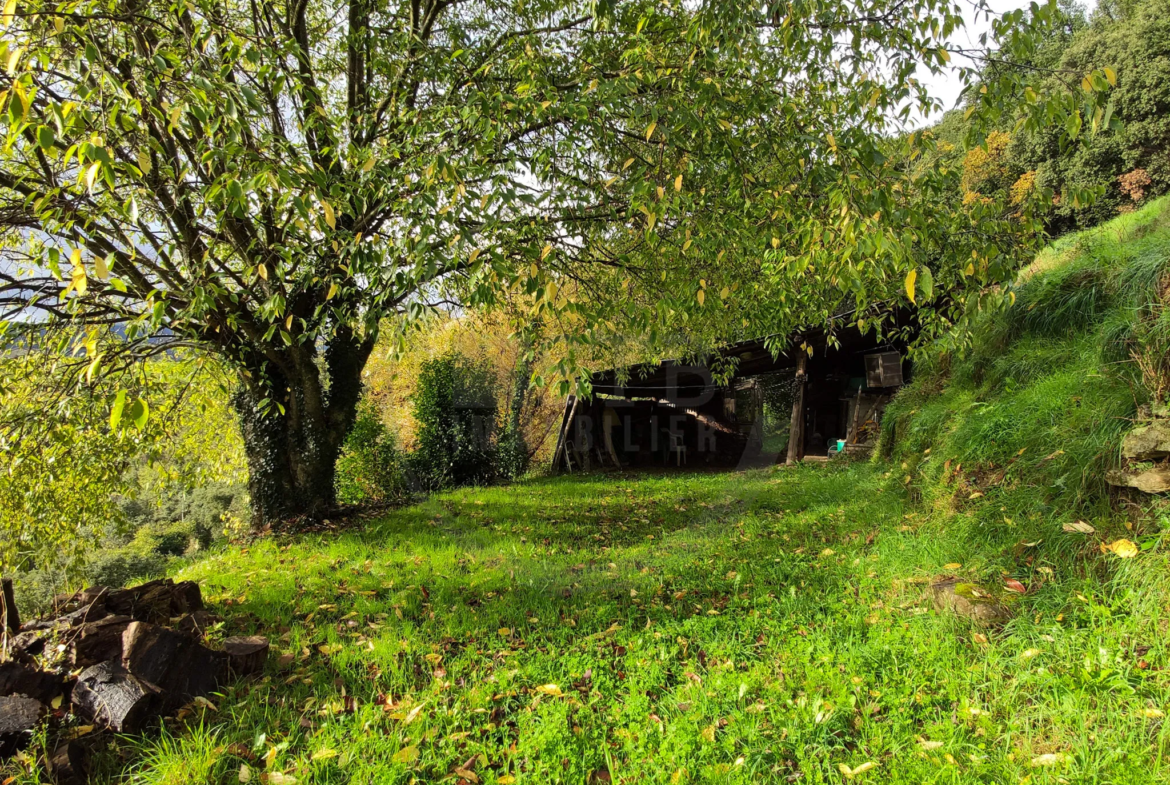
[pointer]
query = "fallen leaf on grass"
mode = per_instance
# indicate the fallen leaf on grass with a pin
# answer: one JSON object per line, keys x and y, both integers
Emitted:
{"x": 276, "y": 778}
{"x": 406, "y": 755}
{"x": 78, "y": 732}
{"x": 952, "y": 566}
{"x": 550, "y": 689}
{"x": 861, "y": 769}
{"x": 1154, "y": 714}
{"x": 325, "y": 754}
{"x": 1049, "y": 759}
{"x": 1079, "y": 527}
{"x": 507, "y": 779}
{"x": 245, "y": 773}
{"x": 1124, "y": 549}
{"x": 1016, "y": 586}
{"x": 929, "y": 745}
{"x": 1028, "y": 654}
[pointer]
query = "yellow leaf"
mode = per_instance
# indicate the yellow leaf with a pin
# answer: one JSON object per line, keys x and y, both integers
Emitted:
{"x": 325, "y": 754}
{"x": 56, "y": 704}
{"x": 9, "y": 12}
{"x": 544, "y": 252}
{"x": 277, "y": 778}
{"x": 1111, "y": 77}
{"x": 911, "y": 277}
{"x": 650, "y": 130}
{"x": 724, "y": 293}
{"x": 406, "y": 755}
{"x": 262, "y": 271}
{"x": 678, "y": 183}
{"x": 1086, "y": 85}
{"x": 91, "y": 175}
{"x": 1050, "y": 759}
{"x": 288, "y": 322}
{"x": 929, "y": 745}
{"x": 1123, "y": 549}
{"x": 507, "y": 779}
{"x": 100, "y": 267}
{"x": 551, "y": 291}
{"x": 701, "y": 296}
{"x": 851, "y": 773}
{"x": 970, "y": 269}
{"x": 58, "y": 24}
{"x": 626, "y": 165}
{"x": 945, "y": 55}
{"x": 1153, "y": 714}
{"x": 952, "y": 566}
{"x": 504, "y": 632}
{"x": 550, "y": 689}
{"x": 473, "y": 255}
{"x": 368, "y": 165}
{"x": 1028, "y": 654}
{"x": 660, "y": 191}
{"x": 332, "y": 291}
{"x": 330, "y": 218}
{"x": 708, "y": 733}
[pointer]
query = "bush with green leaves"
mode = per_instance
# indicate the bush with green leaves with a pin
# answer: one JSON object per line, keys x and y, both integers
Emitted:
{"x": 455, "y": 408}
{"x": 370, "y": 466}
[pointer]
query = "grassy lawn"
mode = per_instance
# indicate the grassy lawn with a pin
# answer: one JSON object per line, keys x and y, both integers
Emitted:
{"x": 766, "y": 626}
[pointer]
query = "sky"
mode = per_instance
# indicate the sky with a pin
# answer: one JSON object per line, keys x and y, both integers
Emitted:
{"x": 948, "y": 86}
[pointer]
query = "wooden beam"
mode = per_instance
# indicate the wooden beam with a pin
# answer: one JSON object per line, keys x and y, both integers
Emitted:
{"x": 8, "y": 612}
{"x": 796, "y": 427}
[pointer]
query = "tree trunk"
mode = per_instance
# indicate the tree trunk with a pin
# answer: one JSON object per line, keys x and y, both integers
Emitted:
{"x": 294, "y": 416}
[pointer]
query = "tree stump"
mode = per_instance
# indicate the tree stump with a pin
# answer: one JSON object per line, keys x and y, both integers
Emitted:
{"x": 69, "y": 764}
{"x": 10, "y": 615}
{"x": 246, "y": 655}
{"x": 112, "y": 696}
{"x": 177, "y": 664}
{"x": 97, "y": 641}
{"x": 18, "y": 717}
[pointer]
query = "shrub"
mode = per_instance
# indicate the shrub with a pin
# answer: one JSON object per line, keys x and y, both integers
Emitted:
{"x": 456, "y": 414}
{"x": 370, "y": 466}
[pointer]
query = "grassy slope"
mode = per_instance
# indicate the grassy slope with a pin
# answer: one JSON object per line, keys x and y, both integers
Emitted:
{"x": 755, "y": 627}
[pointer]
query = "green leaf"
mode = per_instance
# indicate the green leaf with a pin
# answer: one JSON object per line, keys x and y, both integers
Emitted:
{"x": 46, "y": 136}
{"x": 116, "y": 410}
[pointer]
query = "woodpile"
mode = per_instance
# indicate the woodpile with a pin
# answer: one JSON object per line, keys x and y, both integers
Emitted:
{"x": 117, "y": 658}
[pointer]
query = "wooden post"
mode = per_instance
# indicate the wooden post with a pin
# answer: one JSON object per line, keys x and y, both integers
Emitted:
{"x": 570, "y": 411}
{"x": 796, "y": 427}
{"x": 9, "y": 616}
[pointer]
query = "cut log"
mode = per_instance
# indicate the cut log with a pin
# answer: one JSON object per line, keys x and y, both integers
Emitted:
{"x": 69, "y": 764}
{"x": 967, "y": 599}
{"x": 197, "y": 623}
{"x": 186, "y": 598}
{"x": 18, "y": 718}
{"x": 246, "y": 655}
{"x": 97, "y": 641}
{"x": 17, "y": 679}
{"x": 110, "y": 695}
{"x": 9, "y": 615}
{"x": 64, "y": 604}
{"x": 177, "y": 664}
{"x": 150, "y": 602}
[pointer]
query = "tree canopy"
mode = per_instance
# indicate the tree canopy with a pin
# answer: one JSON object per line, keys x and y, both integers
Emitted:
{"x": 269, "y": 181}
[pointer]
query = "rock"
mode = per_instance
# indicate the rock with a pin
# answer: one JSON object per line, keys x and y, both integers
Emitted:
{"x": 967, "y": 599}
{"x": 246, "y": 655}
{"x": 196, "y": 623}
{"x": 17, "y": 679}
{"x": 29, "y": 643}
{"x": 112, "y": 696}
{"x": 97, "y": 641}
{"x": 176, "y": 663}
{"x": 1149, "y": 442}
{"x": 1156, "y": 480}
{"x": 19, "y": 716}
{"x": 69, "y": 764}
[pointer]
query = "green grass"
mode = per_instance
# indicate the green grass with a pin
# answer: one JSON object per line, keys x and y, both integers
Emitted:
{"x": 765, "y": 626}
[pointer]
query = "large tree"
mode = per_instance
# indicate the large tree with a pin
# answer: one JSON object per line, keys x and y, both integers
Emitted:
{"x": 269, "y": 180}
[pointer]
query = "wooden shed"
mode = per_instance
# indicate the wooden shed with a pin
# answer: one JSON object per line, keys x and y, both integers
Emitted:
{"x": 821, "y": 392}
